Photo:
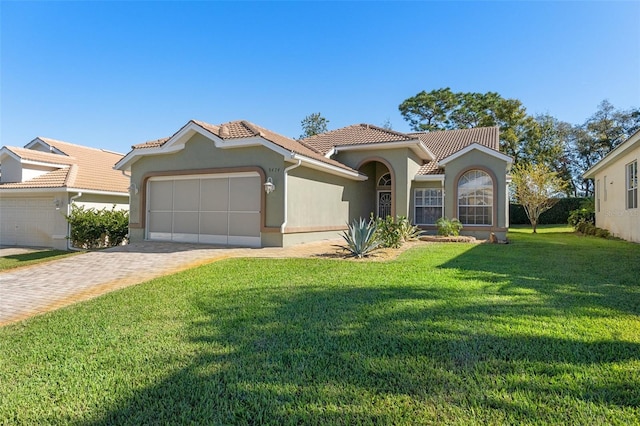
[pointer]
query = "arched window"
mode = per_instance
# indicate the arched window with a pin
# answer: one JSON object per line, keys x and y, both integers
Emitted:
{"x": 475, "y": 198}
{"x": 385, "y": 180}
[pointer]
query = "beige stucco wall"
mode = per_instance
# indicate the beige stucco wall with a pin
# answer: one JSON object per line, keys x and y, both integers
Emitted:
{"x": 613, "y": 214}
{"x": 101, "y": 201}
{"x": 316, "y": 199}
{"x": 11, "y": 170}
{"x": 404, "y": 164}
{"x": 200, "y": 154}
{"x": 477, "y": 159}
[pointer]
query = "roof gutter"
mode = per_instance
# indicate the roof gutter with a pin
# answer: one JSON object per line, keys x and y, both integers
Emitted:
{"x": 286, "y": 209}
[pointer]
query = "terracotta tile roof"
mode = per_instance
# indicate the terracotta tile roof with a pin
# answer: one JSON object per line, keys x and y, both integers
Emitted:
{"x": 151, "y": 144}
{"x": 245, "y": 129}
{"x": 446, "y": 142}
{"x": 90, "y": 168}
{"x": 357, "y": 134}
{"x": 430, "y": 168}
{"x": 54, "y": 179}
{"x": 43, "y": 157}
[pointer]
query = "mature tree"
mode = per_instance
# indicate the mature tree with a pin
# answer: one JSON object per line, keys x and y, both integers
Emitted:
{"x": 313, "y": 124}
{"x": 429, "y": 111}
{"x": 536, "y": 188}
{"x": 602, "y": 132}
{"x": 443, "y": 109}
{"x": 387, "y": 124}
{"x": 546, "y": 142}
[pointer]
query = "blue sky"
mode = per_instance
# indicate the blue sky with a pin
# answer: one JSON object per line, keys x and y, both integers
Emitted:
{"x": 113, "y": 74}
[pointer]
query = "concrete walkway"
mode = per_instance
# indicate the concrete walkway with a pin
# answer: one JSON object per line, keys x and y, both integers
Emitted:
{"x": 43, "y": 287}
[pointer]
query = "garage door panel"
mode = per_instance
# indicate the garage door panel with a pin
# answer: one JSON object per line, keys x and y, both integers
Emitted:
{"x": 185, "y": 222}
{"x": 245, "y": 194}
{"x": 160, "y": 221}
{"x": 186, "y": 195}
{"x": 214, "y": 223}
{"x": 27, "y": 221}
{"x": 244, "y": 224}
{"x": 208, "y": 209}
{"x": 161, "y": 195}
{"x": 214, "y": 194}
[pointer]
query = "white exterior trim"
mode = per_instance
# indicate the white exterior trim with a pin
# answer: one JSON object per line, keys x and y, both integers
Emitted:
{"x": 416, "y": 145}
{"x": 429, "y": 178}
{"x": 479, "y": 147}
{"x": 177, "y": 142}
{"x": 328, "y": 168}
{"x": 10, "y": 191}
{"x": 612, "y": 155}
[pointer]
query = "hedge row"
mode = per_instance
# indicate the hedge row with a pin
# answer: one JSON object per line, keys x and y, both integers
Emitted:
{"x": 558, "y": 214}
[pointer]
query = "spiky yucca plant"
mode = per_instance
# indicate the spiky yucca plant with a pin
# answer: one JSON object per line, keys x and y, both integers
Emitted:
{"x": 361, "y": 238}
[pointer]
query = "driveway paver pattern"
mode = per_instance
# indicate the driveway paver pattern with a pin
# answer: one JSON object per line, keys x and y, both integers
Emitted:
{"x": 44, "y": 287}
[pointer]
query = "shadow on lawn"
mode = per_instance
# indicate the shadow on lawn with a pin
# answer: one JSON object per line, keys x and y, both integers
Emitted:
{"x": 313, "y": 355}
{"x": 574, "y": 273}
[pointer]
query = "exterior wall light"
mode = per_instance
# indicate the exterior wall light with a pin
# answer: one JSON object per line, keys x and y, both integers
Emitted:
{"x": 133, "y": 189}
{"x": 56, "y": 203}
{"x": 269, "y": 187}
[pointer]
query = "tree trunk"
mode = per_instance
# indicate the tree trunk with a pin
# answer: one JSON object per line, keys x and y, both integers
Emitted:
{"x": 534, "y": 224}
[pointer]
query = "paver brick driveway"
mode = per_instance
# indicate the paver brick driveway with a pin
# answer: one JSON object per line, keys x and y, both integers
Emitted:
{"x": 31, "y": 290}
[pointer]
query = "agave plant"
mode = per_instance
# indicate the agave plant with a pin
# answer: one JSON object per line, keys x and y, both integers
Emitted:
{"x": 361, "y": 238}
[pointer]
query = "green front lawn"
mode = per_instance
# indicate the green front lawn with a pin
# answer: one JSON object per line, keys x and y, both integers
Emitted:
{"x": 25, "y": 259}
{"x": 542, "y": 331}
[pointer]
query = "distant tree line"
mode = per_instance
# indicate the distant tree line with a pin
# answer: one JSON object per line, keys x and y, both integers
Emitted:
{"x": 566, "y": 149}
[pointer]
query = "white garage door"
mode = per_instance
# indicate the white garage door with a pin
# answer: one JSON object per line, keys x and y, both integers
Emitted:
{"x": 210, "y": 209}
{"x": 26, "y": 221}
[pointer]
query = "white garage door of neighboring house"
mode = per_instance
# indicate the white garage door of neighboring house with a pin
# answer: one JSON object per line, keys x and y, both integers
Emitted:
{"x": 210, "y": 209}
{"x": 26, "y": 221}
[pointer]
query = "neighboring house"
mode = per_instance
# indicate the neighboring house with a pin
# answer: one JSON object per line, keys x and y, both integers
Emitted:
{"x": 39, "y": 181}
{"x": 616, "y": 184}
{"x": 240, "y": 184}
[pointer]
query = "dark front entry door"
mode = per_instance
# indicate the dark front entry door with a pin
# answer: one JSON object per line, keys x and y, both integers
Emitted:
{"x": 384, "y": 204}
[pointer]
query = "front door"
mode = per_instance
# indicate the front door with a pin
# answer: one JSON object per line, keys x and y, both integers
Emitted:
{"x": 384, "y": 204}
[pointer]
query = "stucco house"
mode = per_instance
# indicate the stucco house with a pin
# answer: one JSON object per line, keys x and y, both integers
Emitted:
{"x": 616, "y": 190}
{"x": 241, "y": 184}
{"x": 39, "y": 181}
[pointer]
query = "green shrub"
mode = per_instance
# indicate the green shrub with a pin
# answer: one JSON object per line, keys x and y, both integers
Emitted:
{"x": 602, "y": 233}
{"x": 585, "y": 213}
{"x": 93, "y": 228}
{"x": 361, "y": 238}
{"x": 448, "y": 228}
{"x": 392, "y": 232}
{"x": 387, "y": 232}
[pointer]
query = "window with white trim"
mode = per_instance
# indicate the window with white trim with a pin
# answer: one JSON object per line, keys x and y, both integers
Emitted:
{"x": 632, "y": 185}
{"x": 428, "y": 206}
{"x": 475, "y": 198}
{"x": 385, "y": 180}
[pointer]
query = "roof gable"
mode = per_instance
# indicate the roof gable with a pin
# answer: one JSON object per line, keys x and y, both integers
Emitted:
{"x": 444, "y": 143}
{"x": 77, "y": 167}
{"x": 632, "y": 142}
{"x": 235, "y": 134}
{"x": 357, "y": 134}
{"x": 476, "y": 147}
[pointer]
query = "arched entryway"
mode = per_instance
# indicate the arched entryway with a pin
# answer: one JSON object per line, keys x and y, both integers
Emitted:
{"x": 378, "y": 196}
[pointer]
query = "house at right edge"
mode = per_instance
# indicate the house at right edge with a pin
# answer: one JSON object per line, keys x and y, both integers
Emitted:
{"x": 616, "y": 190}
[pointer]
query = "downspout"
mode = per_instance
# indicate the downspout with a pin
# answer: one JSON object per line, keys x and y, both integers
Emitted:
{"x": 69, "y": 246}
{"x": 286, "y": 210}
